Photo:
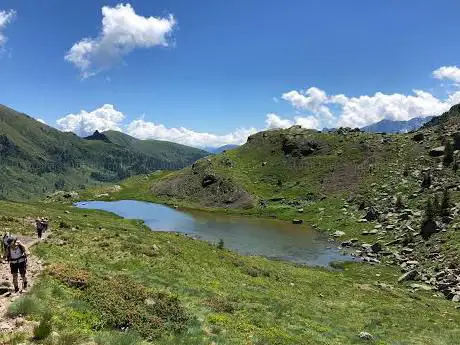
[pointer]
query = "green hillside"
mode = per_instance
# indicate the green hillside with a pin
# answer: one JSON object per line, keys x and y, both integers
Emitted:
{"x": 391, "y": 200}
{"x": 36, "y": 159}
{"x": 176, "y": 155}
{"x": 398, "y": 194}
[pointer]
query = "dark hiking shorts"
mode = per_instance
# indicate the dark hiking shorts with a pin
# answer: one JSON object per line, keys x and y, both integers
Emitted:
{"x": 19, "y": 267}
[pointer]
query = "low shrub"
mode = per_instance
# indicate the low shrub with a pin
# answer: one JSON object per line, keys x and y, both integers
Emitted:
{"x": 117, "y": 338}
{"x": 220, "y": 304}
{"x": 26, "y": 305}
{"x": 124, "y": 304}
{"x": 256, "y": 272}
{"x": 70, "y": 276}
{"x": 44, "y": 328}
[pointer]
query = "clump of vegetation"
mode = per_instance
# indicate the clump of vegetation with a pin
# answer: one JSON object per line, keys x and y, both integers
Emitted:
{"x": 399, "y": 203}
{"x": 123, "y": 304}
{"x": 118, "y": 338}
{"x": 427, "y": 180}
{"x": 445, "y": 203}
{"x": 26, "y": 305}
{"x": 448, "y": 153}
{"x": 455, "y": 165}
{"x": 436, "y": 205}
{"x": 220, "y": 245}
{"x": 44, "y": 328}
{"x": 69, "y": 275}
{"x": 430, "y": 211}
{"x": 220, "y": 304}
{"x": 64, "y": 225}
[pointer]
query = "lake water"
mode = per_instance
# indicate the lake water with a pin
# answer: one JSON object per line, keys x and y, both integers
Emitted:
{"x": 248, "y": 236}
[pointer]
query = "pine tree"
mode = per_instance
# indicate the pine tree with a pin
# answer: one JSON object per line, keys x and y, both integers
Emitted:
{"x": 448, "y": 153}
{"x": 426, "y": 183}
{"x": 436, "y": 205}
{"x": 445, "y": 204}
{"x": 429, "y": 211}
{"x": 455, "y": 166}
{"x": 399, "y": 204}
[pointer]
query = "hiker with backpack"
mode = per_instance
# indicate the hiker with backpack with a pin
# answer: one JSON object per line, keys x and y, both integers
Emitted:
{"x": 17, "y": 258}
{"x": 41, "y": 224}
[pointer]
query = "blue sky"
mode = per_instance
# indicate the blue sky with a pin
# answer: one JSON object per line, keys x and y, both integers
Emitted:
{"x": 210, "y": 72}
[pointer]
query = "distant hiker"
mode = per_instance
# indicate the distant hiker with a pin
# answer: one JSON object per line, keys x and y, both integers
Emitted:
{"x": 5, "y": 239}
{"x": 45, "y": 224}
{"x": 17, "y": 257}
{"x": 42, "y": 225}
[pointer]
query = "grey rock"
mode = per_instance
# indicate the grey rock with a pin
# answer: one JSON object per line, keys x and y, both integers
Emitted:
{"x": 411, "y": 275}
{"x": 366, "y": 336}
{"x": 437, "y": 151}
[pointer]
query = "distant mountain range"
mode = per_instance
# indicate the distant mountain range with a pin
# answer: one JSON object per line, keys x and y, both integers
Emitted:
{"x": 389, "y": 126}
{"x": 220, "y": 149}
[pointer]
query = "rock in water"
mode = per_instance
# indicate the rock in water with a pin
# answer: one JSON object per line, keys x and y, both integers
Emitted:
{"x": 297, "y": 221}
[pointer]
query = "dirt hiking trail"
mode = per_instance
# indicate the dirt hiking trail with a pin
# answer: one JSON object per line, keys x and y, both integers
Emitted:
{"x": 7, "y": 295}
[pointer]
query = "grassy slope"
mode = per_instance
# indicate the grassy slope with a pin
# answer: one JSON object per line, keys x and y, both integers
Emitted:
{"x": 342, "y": 171}
{"x": 233, "y": 299}
{"x": 34, "y": 156}
{"x": 165, "y": 150}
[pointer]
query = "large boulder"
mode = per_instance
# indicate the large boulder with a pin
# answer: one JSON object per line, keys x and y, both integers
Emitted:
{"x": 437, "y": 151}
{"x": 208, "y": 180}
{"x": 371, "y": 214}
{"x": 299, "y": 146}
{"x": 418, "y": 137}
{"x": 429, "y": 228}
{"x": 411, "y": 275}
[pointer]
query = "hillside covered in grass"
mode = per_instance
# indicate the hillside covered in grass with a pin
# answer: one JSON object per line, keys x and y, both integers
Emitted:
{"x": 37, "y": 159}
{"x": 391, "y": 199}
{"x": 112, "y": 281}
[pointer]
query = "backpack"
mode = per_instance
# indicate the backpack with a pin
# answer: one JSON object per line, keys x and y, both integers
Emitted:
{"x": 5, "y": 239}
{"x": 21, "y": 247}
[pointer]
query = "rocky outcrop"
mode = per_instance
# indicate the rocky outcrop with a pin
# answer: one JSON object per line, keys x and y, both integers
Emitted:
{"x": 202, "y": 185}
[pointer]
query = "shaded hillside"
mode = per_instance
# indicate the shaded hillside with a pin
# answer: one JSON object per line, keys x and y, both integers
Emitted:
{"x": 176, "y": 154}
{"x": 35, "y": 158}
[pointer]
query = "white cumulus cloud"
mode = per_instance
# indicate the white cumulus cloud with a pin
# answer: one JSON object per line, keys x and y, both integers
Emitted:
{"x": 85, "y": 123}
{"x": 42, "y": 121}
{"x": 108, "y": 117}
{"x": 275, "y": 121}
{"x": 363, "y": 110}
{"x": 142, "y": 129}
{"x": 451, "y": 73}
{"x": 312, "y": 99}
{"x": 6, "y": 17}
{"x": 122, "y": 31}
